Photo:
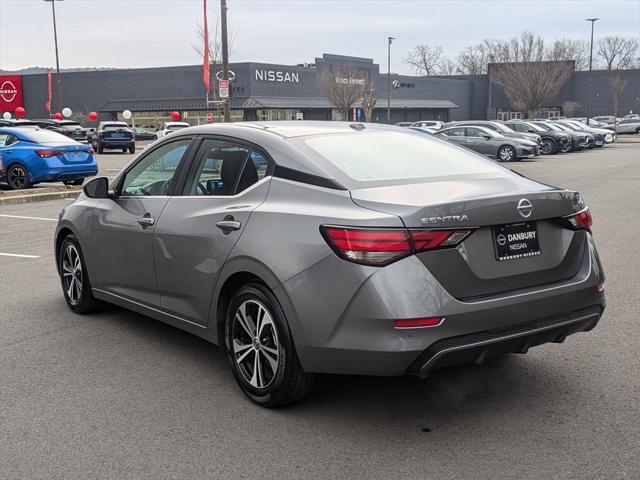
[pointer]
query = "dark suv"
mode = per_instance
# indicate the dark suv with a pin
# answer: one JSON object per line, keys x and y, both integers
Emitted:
{"x": 113, "y": 135}
{"x": 68, "y": 128}
{"x": 552, "y": 141}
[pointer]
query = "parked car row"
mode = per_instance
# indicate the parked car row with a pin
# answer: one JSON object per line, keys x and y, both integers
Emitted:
{"x": 517, "y": 139}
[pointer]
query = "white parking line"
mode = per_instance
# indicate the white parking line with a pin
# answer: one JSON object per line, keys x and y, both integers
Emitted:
{"x": 18, "y": 255}
{"x": 30, "y": 218}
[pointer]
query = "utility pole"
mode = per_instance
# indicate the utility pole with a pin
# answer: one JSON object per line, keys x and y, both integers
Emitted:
{"x": 225, "y": 56}
{"x": 55, "y": 38}
{"x": 593, "y": 21}
{"x": 391, "y": 39}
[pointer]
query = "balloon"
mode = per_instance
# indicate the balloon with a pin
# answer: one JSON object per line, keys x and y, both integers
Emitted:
{"x": 66, "y": 112}
{"x": 126, "y": 114}
{"x": 93, "y": 116}
{"x": 175, "y": 116}
{"x": 209, "y": 116}
{"x": 57, "y": 116}
{"x": 20, "y": 112}
{"x": 6, "y": 115}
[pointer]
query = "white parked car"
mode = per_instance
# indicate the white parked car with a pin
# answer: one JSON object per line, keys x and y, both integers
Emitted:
{"x": 170, "y": 127}
{"x": 629, "y": 125}
{"x": 431, "y": 124}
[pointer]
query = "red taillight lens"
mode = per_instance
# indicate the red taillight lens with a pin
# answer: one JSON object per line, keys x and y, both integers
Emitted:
{"x": 91, "y": 151}
{"x": 380, "y": 247}
{"x": 369, "y": 247}
{"x": 49, "y": 153}
{"x": 418, "y": 322}
{"x": 581, "y": 220}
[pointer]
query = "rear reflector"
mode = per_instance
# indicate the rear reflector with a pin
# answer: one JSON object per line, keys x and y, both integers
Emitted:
{"x": 380, "y": 247}
{"x": 418, "y": 322}
{"x": 581, "y": 220}
{"x": 49, "y": 153}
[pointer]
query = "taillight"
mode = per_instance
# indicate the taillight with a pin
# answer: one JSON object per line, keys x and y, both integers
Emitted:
{"x": 91, "y": 151}
{"x": 581, "y": 220}
{"x": 49, "y": 153}
{"x": 379, "y": 247}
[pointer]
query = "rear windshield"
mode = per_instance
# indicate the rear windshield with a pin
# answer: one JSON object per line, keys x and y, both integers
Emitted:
{"x": 112, "y": 126}
{"x": 390, "y": 156}
{"x": 47, "y": 137}
{"x": 176, "y": 127}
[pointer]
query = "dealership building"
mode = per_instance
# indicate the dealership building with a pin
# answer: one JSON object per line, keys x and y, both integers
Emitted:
{"x": 262, "y": 91}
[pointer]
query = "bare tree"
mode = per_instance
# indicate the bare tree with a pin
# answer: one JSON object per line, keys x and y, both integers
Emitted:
{"x": 425, "y": 59}
{"x": 447, "y": 67}
{"x": 618, "y": 53}
{"x": 215, "y": 43}
{"x": 569, "y": 107}
{"x": 473, "y": 60}
{"x": 529, "y": 84}
{"x": 569, "y": 49}
{"x": 342, "y": 85}
{"x": 618, "y": 84}
{"x": 368, "y": 100}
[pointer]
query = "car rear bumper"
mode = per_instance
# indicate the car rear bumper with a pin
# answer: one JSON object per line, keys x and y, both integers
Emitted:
{"x": 116, "y": 143}
{"x": 476, "y": 347}
{"x": 346, "y": 326}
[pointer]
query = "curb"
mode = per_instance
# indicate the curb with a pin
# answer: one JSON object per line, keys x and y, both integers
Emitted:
{"x": 38, "y": 197}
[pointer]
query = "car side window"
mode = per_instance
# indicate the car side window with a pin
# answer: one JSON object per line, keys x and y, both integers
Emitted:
{"x": 3, "y": 139}
{"x": 473, "y": 132}
{"x": 154, "y": 173}
{"x": 220, "y": 163}
{"x": 455, "y": 132}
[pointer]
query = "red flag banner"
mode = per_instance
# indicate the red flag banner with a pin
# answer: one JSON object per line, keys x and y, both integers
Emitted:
{"x": 47, "y": 105}
{"x": 205, "y": 60}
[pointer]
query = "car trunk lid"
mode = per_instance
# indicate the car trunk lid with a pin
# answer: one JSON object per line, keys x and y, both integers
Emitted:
{"x": 489, "y": 206}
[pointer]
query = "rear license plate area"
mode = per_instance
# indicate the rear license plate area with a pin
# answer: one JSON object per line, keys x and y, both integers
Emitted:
{"x": 516, "y": 240}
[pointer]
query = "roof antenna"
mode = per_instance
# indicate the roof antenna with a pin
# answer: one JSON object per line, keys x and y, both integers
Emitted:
{"x": 357, "y": 126}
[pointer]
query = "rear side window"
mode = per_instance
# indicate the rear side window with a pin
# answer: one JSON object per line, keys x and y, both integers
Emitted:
{"x": 384, "y": 156}
{"x": 226, "y": 168}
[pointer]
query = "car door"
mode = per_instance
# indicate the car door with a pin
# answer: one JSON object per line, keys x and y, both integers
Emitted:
{"x": 475, "y": 140}
{"x": 197, "y": 231}
{"x": 455, "y": 135}
{"x": 120, "y": 247}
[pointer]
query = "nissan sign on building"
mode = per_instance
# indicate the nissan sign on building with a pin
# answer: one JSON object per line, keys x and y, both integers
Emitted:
{"x": 10, "y": 92}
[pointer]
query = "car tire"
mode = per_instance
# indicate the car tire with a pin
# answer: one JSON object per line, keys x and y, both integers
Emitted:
{"x": 74, "y": 278}
{"x": 18, "y": 177}
{"x": 100, "y": 148}
{"x": 506, "y": 153}
{"x": 266, "y": 366}
{"x": 132, "y": 149}
{"x": 548, "y": 147}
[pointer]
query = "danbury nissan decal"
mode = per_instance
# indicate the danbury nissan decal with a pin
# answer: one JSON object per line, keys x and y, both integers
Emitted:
{"x": 10, "y": 92}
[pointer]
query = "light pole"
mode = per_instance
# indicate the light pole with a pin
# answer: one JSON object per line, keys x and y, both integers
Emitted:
{"x": 391, "y": 39}
{"x": 225, "y": 56}
{"x": 593, "y": 21}
{"x": 55, "y": 38}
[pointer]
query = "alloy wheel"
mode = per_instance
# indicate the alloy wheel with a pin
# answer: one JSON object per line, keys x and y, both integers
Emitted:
{"x": 506, "y": 154}
{"x": 547, "y": 147}
{"x": 255, "y": 348}
{"x": 17, "y": 178}
{"x": 72, "y": 274}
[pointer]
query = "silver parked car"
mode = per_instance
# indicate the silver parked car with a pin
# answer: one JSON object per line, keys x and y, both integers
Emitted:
{"x": 488, "y": 142}
{"x": 629, "y": 125}
{"x": 329, "y": 247}
{"x": 499, "y": 128}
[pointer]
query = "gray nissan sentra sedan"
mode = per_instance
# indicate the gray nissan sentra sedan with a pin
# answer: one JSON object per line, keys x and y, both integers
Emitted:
{"x": 325, "y": 247}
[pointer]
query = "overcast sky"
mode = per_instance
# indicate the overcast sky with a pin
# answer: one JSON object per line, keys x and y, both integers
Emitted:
{"x": 145, "y": 33}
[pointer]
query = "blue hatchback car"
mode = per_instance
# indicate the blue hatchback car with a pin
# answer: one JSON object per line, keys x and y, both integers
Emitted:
{"x": 29, "y": 155}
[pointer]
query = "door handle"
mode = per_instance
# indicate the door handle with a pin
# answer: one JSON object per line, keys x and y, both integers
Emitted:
{"x": 228, "y": 225}
{"x": 146, "y": 221}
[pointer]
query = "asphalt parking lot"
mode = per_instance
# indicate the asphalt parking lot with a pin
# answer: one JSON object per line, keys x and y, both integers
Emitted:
{"x": 118, "y": 395}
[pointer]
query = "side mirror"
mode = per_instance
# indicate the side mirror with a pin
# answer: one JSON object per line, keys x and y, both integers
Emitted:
{"x": 487, "y": 137}
{"x": 97, "y": 188}
{"x": 531, "y": 130}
